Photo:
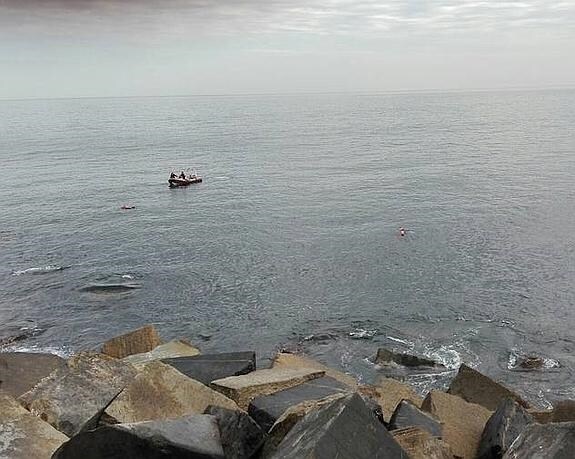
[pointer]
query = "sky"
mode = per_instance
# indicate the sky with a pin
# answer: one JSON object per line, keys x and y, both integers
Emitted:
{"x": 101, "y": 48}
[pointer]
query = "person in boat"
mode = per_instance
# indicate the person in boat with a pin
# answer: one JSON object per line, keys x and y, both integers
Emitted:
{"x": 172, "y": 175}
{"x": 183, "y": 176}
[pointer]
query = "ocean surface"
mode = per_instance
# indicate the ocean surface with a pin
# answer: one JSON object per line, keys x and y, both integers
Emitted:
{"x": 291, "y": 242}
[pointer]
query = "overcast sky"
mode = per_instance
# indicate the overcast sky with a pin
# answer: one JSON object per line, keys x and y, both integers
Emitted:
{"x": 67, "y": 48}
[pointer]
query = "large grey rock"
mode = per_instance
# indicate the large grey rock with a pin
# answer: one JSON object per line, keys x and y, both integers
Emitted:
{"x": 135, "y": 342}
{"x": 242, "y": 389}
{"x": 420, "y": 444}
{"x": 475, "y": 387}
{"x": 503, "y": 427}
{"x": 73, "y": 398}
{"x": 209, "y": 367}
{"x": 386, "y": 357}
{"x": 388, "y": 393}
{"x": 171, "y": 349}
{"x": 20, "y": 371}
{"x": 345, "y": 429}
{"x": 548, "y": 441}
{"x": 160, "y": 391}
{"x": 240, "y": 435}
{"x": 408, "y": 415}
{"x": 266, "y": 409}
{"x": 189, "y": 437}
{"x": 463, "y": 422}
{"x": 23, "y": 435}
{"x": 295, "y": 362}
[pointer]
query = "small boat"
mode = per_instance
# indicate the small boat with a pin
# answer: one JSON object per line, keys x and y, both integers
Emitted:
{"x": 177, "y": 181}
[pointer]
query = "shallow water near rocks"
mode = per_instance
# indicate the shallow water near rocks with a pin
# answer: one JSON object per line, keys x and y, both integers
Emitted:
{"x": 294, "y": 232}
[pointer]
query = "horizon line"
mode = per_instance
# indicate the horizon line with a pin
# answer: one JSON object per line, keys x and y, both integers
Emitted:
{"x": 303, "y": 93}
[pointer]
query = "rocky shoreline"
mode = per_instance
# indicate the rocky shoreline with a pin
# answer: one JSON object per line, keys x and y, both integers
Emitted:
{"x": 138, "y": 397}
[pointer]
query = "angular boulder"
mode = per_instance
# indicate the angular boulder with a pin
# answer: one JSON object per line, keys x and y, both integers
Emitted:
{"x": 295, "y": 362}
{"x": 241, "y": 437}
{"x": 187, "y": 437}
{"x": 475, "y": 387}
{"x": 503, "y": 427}
{"x": 266, "y": 409}
{"x": 161, "y": 392}
{"x": 209, "y": 367}
{"x": 171, "y": 349}
{"x": 135, "y": 342}
{"x": 242, "y": 389}
{"x": 463, "y": 422}
{"x": 20, "y": 371}
{"x": 289, "y": 419}
{"x": 386, "y": 357}
{"x": 548, "y": 441}
{"x": 23, "y": 435}
{"x": 73, "y": 398}
{"x": 344, "y": 428}
{"x": 408, "y": 415}
{"x": 420, "y": 444}
{"x": 564, "y": 411}
{"x": 388, "y": 393}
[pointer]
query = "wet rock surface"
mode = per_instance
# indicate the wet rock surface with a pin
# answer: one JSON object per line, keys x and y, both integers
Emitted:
{"x": 171, "y": 349}
{"x": 549, "y": 441}
{"x": 386, "y": 357}
{"x": 20, "y": 371}
{"x": 408, "y": 415}
{"x": 209, "y": 367}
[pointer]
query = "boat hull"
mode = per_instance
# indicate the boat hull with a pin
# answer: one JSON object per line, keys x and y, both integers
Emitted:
{"x": 179, "y": 182}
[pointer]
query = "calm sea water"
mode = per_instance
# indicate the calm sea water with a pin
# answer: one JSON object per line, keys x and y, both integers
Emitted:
{"x": 292, "y": 239}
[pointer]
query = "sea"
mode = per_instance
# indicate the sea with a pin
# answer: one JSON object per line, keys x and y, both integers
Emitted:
{"x": 292, "y": 240}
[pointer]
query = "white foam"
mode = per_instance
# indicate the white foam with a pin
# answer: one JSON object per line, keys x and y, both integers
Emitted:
{"x": 39, "y": 270}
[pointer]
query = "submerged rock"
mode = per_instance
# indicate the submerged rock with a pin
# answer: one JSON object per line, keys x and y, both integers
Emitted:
{"x": 241, "y": 436}
{"x": 20, "y": 371}
{"x": 475, "y": 387}
{"x": 135, "y": 342}
{"x": 503, "y": 427}
{"x": 23, "y": 435}
{"x": 209, "y": 367}
{"x": 548, "y": 441}
{"x": 73, "y": 398}
{"x": 344, "y": 428}
{"x": 242, "y": 389}
{"x": 463, "y": 422}
{"x": 187, "y": 437}
{"x": 160, "y": 392}
{"x": 386, "y": 357}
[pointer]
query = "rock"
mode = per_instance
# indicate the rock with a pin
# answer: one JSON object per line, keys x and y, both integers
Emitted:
{"x": 266, "y": 409}
{"x": 23, "y": 435}
{"x": 241, "y": 437}
{"x": 475, "y": 387}
{"x": 160, "y": 392}
{"x": 408, "y": 415}
{"x": 344, "y": 428}
{"x": 208, "y": 367}
{"x": 187, "y": 437}
{"x": 503, "y": 427}
{"x": 72, "y": 398}
{"x": 293, "y": 361}
{"x": 385, "y": 357}
{"x": 462, "y": 422}
{"x": 420, "y": 444}
{"x": 564, "y": 411}
{"x": 531, "y": 363}
{"x": 389, "y": 393}
{"x": 242, "y": 389}
{"x": 135, "y": 342}
{"x": 289, "y": 419}
{"x": 20, "y": 371}
{"x": 172, "y": 349}
{"x": 549, "y": 441}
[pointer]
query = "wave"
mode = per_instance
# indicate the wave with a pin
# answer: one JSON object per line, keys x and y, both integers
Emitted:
{"x": 111, "y": 288}
{"x": 40, "y": 270}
